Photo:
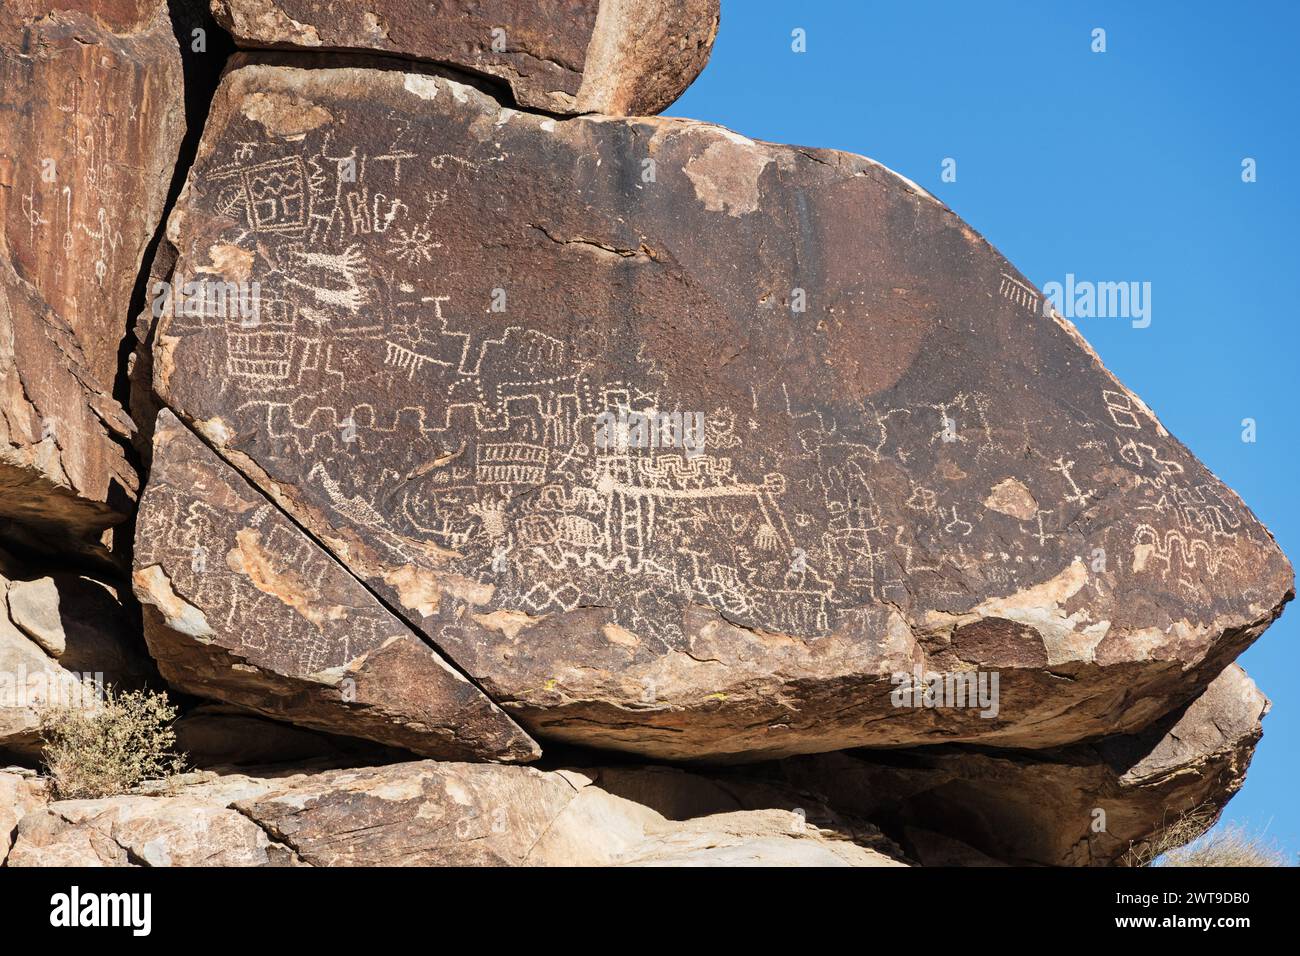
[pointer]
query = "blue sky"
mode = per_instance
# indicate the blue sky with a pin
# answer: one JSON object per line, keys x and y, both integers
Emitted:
{"x": 1122, "y": 165}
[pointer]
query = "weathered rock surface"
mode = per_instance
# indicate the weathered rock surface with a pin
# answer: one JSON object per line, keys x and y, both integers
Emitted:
{"x": 90, "y": 123}
{"x": 903, "y": 463}
{"x": 58, "y": 632}
{"x": 90, "y": 131}
{"x": 452, "y": 814}
{"x": 26, "y": 674}
{"x": 194, "y": 827}
{"x": 61, "y": 469}
{"x": 241, "y": 606}
{"x": 83, "y": 624}
{"x": 616, "y": 57}
{"x": 21, "y": 791}
{"x": 1088, "y": 804}
{"x": 1084, "y": 805}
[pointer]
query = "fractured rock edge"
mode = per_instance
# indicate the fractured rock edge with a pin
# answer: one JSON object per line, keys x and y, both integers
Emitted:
{"x": 631, "y": 57}
{"x": 242, "y": 606}
{"x": 1093, "y": 804}
{"x": 62, "y": 467}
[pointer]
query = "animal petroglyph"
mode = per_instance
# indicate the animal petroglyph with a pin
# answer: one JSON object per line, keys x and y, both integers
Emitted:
{"x": 585, "y": 439}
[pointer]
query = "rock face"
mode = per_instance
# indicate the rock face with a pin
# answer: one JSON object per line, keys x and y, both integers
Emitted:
{"x": 21, "y": 791}
{"x": 449, "y": 814}
{"x": 59, "y": 632}
{"x": 193, "y": 828}
{"x": 90, "y": 124}
{"x": 241, "y": 606}
{"x": 60, "y": 465}
{"x": 617, "y": 57}
{"x": 1085, "y": 805}
{"x": 885, "y": 459}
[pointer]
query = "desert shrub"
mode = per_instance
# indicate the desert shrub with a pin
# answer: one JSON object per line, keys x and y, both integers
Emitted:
{"x": 1189, "y": 841}
{"x": 1226, "y": 846}
{"x": 109, "y": 749}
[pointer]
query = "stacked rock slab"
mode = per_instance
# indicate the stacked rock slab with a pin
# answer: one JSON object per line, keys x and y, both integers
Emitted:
{"x": 617, "y": 57}
{"x": 1095, "y": 804}
{"x": 90, "y": 125}
{"x": 1088, "y": 804}
{"x": 945, "y": 805}
{"x": 447, "y": 814}
{"x": 903, "y": 462}
{"x": 242, "y": 606}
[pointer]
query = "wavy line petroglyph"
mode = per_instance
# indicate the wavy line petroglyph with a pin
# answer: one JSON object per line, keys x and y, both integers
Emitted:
{"x": 420, "y": 420}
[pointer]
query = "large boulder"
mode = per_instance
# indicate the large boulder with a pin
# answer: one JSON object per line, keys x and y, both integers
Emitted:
{"x": 887, "y": 457}
{"x": 1094, "y": 804}
{"x": 90, "y": 123}
{"x": 30, "y": 682}
{"x": 83, "y": 623}
{"x": 617, "y": 57}
{"x": 241, "y": 606}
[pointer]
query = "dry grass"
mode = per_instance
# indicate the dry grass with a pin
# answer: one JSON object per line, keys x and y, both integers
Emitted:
{"x": 111, "y": 748}
{"x": 1188, "y": 841}
{"x": 1226, "y": 846}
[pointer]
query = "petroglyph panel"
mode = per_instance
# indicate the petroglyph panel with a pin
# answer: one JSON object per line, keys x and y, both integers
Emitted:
{"x": 244, "y": 607}
{"x": 91, "y": 120}
{"x": 897, "y": 443}
{"x": 90, "y": 124}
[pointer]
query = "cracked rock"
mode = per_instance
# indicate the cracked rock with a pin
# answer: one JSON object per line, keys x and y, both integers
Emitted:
{"x": 192, "y": 828}
{"x": 617, "y": 57}
{"x": 432, "y": 814}
{"x": 90, "y": 124}
{"x": 241, "y": 606}
{"x": 687, "y": 445}
{"x": 429, "y": 813}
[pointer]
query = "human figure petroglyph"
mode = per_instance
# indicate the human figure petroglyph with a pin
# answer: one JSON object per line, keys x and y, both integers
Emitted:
{"x": 1075, "y": 495}
{"x": 488, "y": 424}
